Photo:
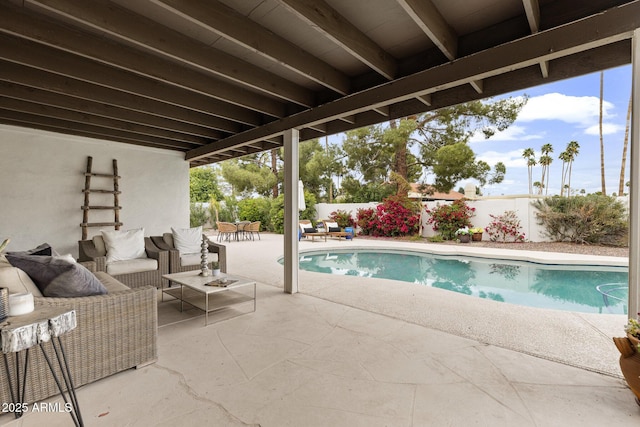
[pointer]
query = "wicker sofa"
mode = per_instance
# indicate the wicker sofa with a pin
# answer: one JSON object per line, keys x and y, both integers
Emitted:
{"x": 115, "y": 332}
{"x": 157, "y": 259}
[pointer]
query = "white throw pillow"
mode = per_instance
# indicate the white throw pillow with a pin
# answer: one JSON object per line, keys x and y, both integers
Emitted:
{"x": 187, "y": 240}
{"x": 331, "y": 225}
{"x": 124, "y": 245}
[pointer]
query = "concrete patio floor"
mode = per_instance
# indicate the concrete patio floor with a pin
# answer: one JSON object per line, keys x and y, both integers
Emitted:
{"x": 388, "y": 354}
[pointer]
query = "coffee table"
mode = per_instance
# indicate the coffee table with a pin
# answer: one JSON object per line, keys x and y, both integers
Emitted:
{"x": 206, "y": 294}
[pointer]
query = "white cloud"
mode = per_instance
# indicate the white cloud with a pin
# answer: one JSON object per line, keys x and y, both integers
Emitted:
{"x": 579, "y": 110}
{"x": 512, "y": 133}
{"x": 607, "y": 129}
{"x": 511, "y": 159}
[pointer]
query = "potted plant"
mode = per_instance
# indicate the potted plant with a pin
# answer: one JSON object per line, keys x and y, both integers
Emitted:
{"x": 464, "y": 234}
{"x": 629, "y": 348}
{"x": 476, "y": 233}
{"x": 215, "y": 268}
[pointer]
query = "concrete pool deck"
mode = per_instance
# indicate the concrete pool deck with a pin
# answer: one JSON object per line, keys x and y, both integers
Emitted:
{"x": 388, "y": 354}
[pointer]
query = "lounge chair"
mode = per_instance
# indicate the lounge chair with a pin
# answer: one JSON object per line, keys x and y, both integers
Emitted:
{"x": 333, "y": 230}
{"x": 307, "y": 230}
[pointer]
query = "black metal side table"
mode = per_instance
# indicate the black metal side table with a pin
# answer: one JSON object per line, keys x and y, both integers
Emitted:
{"x": 19, "y": 334}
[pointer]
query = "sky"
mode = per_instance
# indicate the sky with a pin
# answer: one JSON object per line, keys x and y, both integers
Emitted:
{"x": 556, "y": 114}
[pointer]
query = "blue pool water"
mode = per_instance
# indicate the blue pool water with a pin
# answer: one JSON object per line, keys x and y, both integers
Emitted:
{"x": 588, "y": 289}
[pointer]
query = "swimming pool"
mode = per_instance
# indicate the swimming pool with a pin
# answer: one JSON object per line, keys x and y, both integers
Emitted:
{"x": 585, "y": 288}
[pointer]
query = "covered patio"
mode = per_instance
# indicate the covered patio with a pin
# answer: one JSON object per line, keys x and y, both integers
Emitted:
{"x": 330, "y": 355}
{"x": 165, "y": 85}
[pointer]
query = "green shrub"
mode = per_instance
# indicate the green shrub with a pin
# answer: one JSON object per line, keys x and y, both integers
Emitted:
{"x": 197, "y": 215}
{"x": 276, "y": 213}
{"x": 447, "y": 219}
{"x": 594, "y": 219}
{"x": 255, "y": 210}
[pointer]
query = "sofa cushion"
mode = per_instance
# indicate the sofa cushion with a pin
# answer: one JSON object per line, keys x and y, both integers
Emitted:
{"x": 16, "y": 280}
{"x": 57, "y": 277}
{"x": 112, "y": 285}
{"x": 187, "y": 240}
{"x": 132, "y": 266}
{"x": 124, "y": 245}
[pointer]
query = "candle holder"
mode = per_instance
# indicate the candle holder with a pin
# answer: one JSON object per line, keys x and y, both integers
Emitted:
{"x": 204, "y": 253}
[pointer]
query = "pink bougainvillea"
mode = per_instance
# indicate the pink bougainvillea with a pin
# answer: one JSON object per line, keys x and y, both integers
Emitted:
{"x": 395, "y": 216}
{"x": 505, "y": 228}
{"x": 447, "y": 219}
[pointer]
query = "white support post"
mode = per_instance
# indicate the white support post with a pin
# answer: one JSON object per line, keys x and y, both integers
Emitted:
{"x": 291, "y": 215}
{"x": 634, "y": 189}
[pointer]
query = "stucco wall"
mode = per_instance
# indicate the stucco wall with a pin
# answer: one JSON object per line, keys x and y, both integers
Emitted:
{"x": 42, "y": 175}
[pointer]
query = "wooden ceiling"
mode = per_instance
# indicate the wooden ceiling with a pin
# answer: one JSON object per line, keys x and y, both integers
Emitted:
{"x": 221, "y": 79}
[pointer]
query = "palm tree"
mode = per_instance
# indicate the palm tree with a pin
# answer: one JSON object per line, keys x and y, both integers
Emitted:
{"x": 545, "y": 161}
{"x": 573, "y": 148}
{"x": 604, "y": 187}
{"x": 529, "y": 154}
{"x": 624, "y": 150}
{"x": 564, "y": 156}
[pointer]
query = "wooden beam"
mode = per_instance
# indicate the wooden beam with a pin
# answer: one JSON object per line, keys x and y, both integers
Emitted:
{"x": 111, "y": 19}
{"x": 62, "y": 101}
{"x": 329, "y": 22}
{"x": 200, "y": 111}
{"x": 532, "y": 10}
{"x": 477, "y": 85}
{"x": 582, "y": 63}
{"x": 37, "y": 56}
{"x": 425, "y": 99}
{"x": 91, "y": 131}
{"x": 429, "y": 19}
{"x": 599, "y": 30}
{"x": 76, "y": 117}
{"x": 226, "y": 22}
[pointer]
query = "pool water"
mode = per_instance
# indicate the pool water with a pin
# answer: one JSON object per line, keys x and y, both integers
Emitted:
{"x": 587, "y": 289}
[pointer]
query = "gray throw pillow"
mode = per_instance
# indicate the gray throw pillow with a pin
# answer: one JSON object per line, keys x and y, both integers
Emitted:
{"x": 57, "y": 277}
{"x": 43, "y": 249}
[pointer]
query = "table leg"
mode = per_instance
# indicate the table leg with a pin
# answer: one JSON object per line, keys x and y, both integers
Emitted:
{"x": 17, "y": 390}
{"x": 66, "y": 376}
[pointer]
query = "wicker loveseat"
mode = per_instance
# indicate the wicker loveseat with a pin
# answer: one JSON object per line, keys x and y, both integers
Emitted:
{"x": 115, "y": 332}
{"x": 157, "y": 261}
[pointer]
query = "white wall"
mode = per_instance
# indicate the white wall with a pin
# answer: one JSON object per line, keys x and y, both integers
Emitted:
{"x": 484, "y": 207}
{"x": 42, "y": 175}
{"x": 323, "y": 210}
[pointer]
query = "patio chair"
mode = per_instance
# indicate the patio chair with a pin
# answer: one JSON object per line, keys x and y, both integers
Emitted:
{"x": 253, "y": 227}
{"x": 179, "y": 262}
{"x": 227, "y": 230}
{"x": 135, "y": 272}
{"x": 307, "y": 230}
{"x": 242, "y": 229}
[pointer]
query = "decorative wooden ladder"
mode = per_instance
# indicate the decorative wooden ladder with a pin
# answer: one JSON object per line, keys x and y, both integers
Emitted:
{"x": 88, "y": 191}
